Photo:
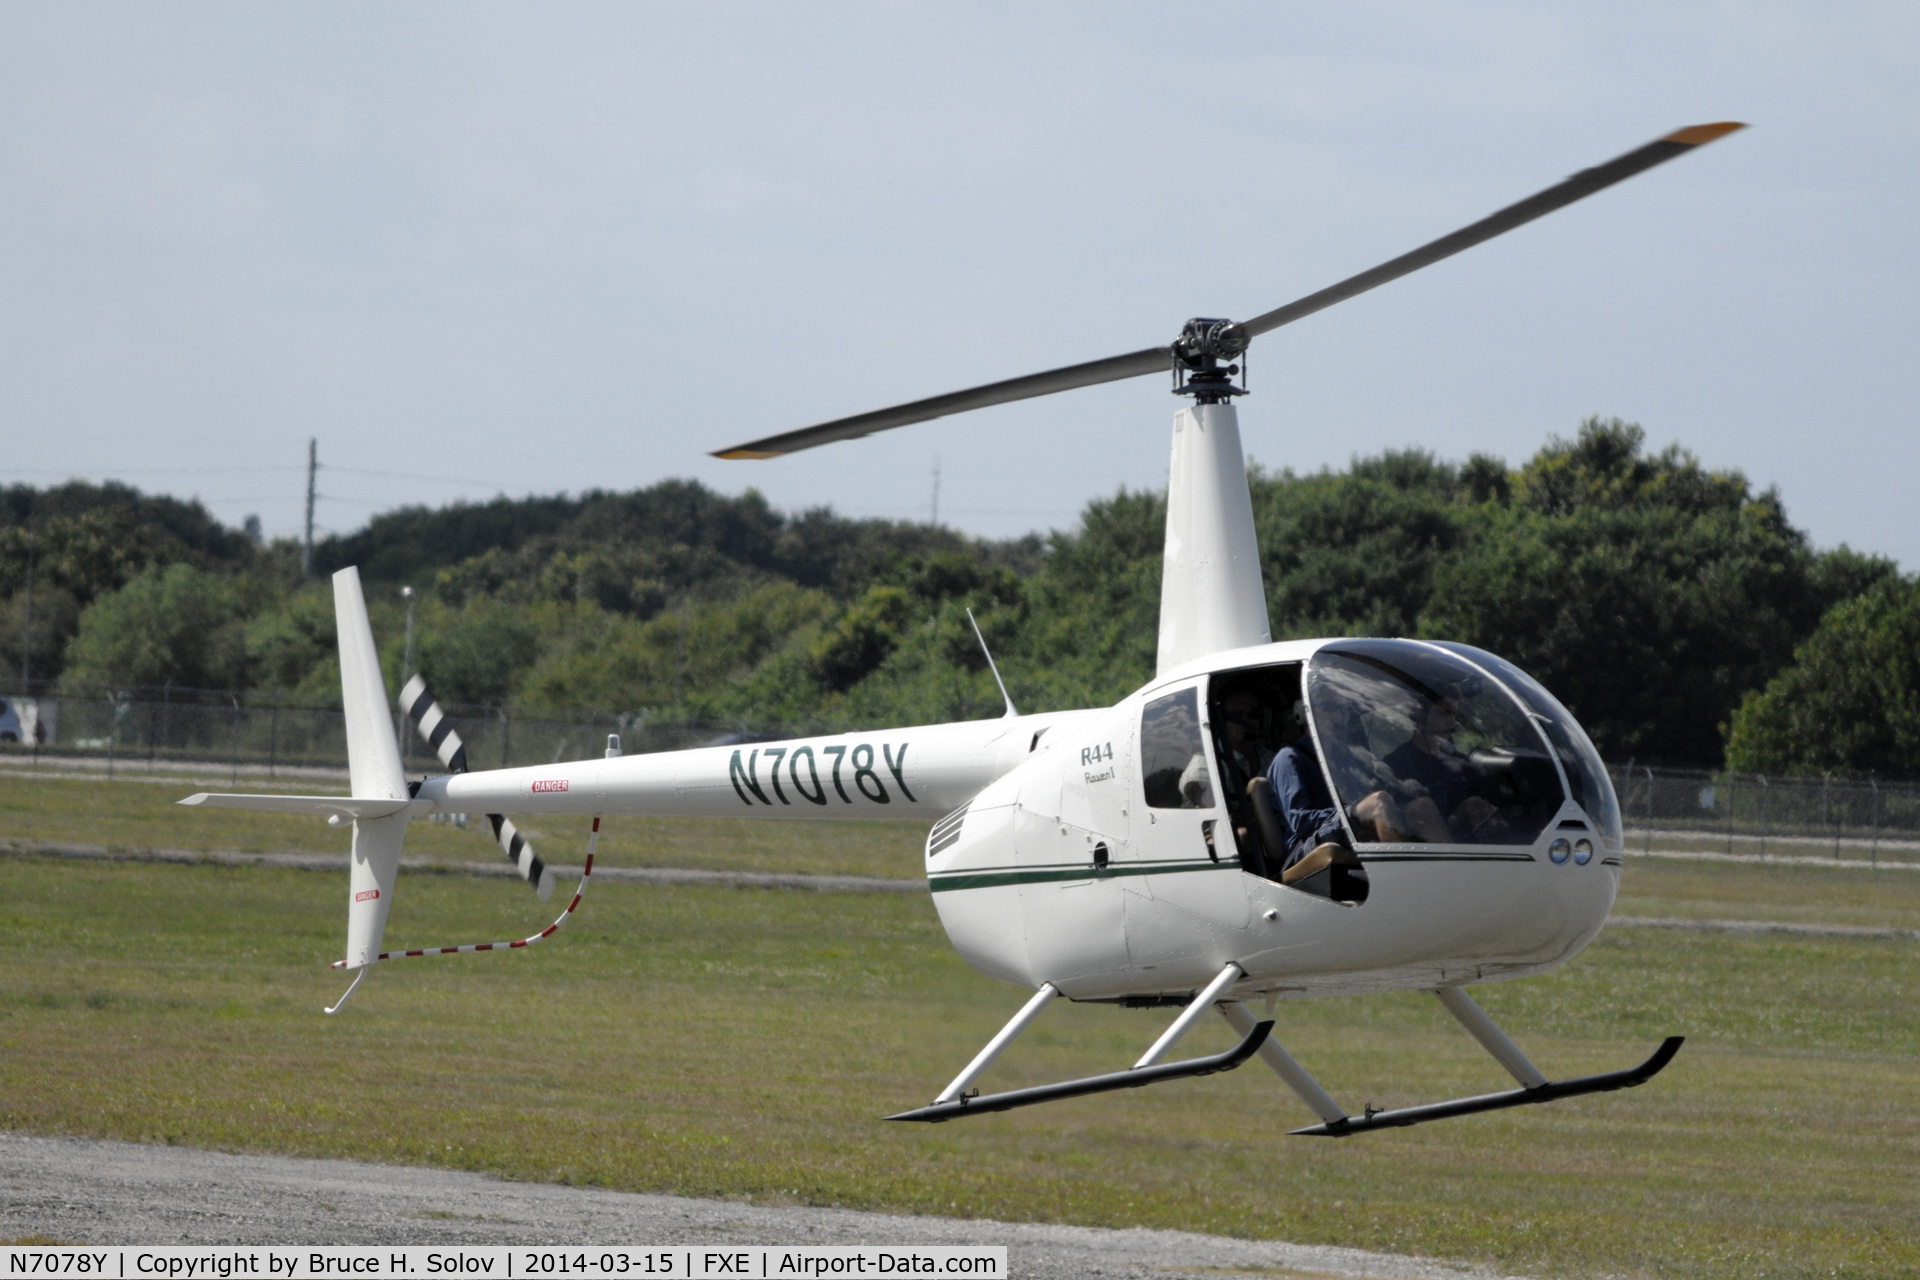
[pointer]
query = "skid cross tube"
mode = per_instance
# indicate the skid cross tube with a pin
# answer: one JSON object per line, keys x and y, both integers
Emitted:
{"x": 1551, "y": 1091}
{"x": 1191, "y": 1014}
{"x": 1132, "y": 1078}
{"x": 998, "y": 1045}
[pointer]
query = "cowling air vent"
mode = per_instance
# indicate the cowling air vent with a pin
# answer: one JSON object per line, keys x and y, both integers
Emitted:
{"x": 946, "y": 831}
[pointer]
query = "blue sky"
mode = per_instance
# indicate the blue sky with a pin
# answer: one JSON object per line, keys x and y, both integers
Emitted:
{"x": 479, "y": 249}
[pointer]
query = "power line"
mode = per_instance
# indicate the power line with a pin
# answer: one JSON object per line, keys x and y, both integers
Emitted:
{"x": 146, "y": 471}
{"x": 408, "y": 475}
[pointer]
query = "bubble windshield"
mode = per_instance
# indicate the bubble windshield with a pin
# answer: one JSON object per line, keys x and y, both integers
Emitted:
{"x": 1423, "y": 749}
{"x": 1586, "y": 775}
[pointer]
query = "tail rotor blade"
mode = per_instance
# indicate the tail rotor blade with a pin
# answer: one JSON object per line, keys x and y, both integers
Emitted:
{"x": 437, "y": 732}
{"x": 534, "y": 871}
{"x": 435, "y": 729}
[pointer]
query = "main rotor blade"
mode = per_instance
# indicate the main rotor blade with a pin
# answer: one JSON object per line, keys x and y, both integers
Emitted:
{"x": 1161, "y": 359}
{"x": 1578, "y": 187}
{"x": 1112, "y": 369}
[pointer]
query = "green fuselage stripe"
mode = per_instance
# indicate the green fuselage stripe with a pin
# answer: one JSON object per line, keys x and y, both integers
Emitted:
{"x": 997, "y": 876}
{"x": 1447, "y": 857}
{"x": 1082, "y": 871}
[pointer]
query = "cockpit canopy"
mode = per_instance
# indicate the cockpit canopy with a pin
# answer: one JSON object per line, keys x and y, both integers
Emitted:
{"x": 1586, "y": 776}
{"x": 1431, "y": 744}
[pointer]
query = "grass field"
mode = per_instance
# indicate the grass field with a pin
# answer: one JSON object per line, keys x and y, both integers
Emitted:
{"x": 743, "y": 1043}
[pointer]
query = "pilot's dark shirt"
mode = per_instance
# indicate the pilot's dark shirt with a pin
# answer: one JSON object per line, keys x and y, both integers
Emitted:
{"x": 1240, "y": 767}
{"x": 1300, "y": 793}
{"x": 1444, "y": 778}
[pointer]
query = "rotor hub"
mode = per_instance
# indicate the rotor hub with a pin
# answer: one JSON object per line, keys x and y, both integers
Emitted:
{"x": 1198, "y": 352}
{"x": 1202, "y": 339}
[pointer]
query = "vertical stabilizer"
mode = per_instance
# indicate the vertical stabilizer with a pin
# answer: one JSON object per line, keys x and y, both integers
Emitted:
{"x": 1211, "y": 594}
{"x": 373, "y": 761}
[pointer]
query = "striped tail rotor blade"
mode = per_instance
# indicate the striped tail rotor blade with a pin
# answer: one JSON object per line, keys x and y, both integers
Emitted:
{"x": 438, "y": 733}
{"x": 521, "y": 855}
{"x": 435, "y": 729}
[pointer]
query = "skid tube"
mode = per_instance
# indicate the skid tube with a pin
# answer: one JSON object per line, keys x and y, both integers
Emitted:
{"x": 1551, "y": 1091}
{"x": 1132, "y": 1078}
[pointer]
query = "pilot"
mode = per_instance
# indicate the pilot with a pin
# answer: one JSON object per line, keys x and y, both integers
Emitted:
{"x": 1440, "y": 806}
{"x": 1246, "y": 757}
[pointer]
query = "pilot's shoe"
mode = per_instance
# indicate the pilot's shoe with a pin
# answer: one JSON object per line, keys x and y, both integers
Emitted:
{"x": 1330, "y": 854}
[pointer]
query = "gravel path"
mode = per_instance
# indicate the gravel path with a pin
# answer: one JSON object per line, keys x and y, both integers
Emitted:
{"x": 86, "y": 1191}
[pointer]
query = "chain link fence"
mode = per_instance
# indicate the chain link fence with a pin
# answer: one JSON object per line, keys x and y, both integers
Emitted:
{"x": 1682, "y": 810}
{"x": 208, "y": 731}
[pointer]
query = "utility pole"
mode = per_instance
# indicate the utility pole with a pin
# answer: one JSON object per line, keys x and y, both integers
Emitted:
{"x": 936, "y": 491}
{"x": 26, "y": 625}
{"x": 406, "y": 670}
{"x": 313, "y": 467}
{"x": 406, "y": 661}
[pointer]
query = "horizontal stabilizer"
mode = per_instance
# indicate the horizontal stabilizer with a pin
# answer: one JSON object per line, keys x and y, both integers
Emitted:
{"x": 320, "y": 806}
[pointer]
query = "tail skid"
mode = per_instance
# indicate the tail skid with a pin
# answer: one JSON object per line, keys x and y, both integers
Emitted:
{"x": 586, "y": 876}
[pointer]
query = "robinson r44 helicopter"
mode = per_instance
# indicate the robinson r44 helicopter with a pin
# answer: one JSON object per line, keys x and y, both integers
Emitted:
{"x": 1139, "y": 854}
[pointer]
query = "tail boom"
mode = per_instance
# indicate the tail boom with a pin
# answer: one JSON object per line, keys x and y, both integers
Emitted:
{"x": 914, "y": 773}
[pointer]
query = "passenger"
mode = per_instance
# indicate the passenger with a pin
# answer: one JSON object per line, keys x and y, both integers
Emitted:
{"x": 1440, "y": 806}
{"x": 1306, "y": 807}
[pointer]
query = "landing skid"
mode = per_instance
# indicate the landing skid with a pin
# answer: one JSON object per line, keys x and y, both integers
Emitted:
{"x": 1552, "y": 1091}
{"x": 954, "y": 1101}
{"x": 1132, "y": 1078}
{"x": 1534, "y": 1087}
{"x": 1256, "y": 1037}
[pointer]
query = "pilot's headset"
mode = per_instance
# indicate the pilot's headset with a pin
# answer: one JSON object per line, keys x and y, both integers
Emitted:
{"x": 1257, "y": 720}
{"x": 1462, "y": 690}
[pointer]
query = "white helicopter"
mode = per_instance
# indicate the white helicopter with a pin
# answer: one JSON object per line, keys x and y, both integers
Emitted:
{"x": 1442, "y": 820}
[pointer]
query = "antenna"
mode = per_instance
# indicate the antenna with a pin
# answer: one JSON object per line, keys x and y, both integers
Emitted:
{"x": 313, "y": 467}
{"x": 936, "y": 498}
{"x": 1012, "y": 711}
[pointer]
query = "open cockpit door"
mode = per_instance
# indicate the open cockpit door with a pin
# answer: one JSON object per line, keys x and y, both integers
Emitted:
{"x": 1254, "y": 714}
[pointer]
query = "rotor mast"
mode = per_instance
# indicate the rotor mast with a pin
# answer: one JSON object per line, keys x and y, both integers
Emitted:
{"x": 1212, "y": 596}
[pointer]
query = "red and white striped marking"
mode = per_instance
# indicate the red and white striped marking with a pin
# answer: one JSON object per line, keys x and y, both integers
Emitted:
{"x": 593, "y": 843}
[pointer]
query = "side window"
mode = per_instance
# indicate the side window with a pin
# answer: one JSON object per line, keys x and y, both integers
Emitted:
{"x": 1173, "y": 764}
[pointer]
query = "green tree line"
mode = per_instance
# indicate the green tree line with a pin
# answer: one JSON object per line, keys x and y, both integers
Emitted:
{"x": 1674, "y": 608}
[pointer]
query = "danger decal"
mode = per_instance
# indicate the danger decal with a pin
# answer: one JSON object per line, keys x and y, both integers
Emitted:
{"x": 549, "y": 784}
